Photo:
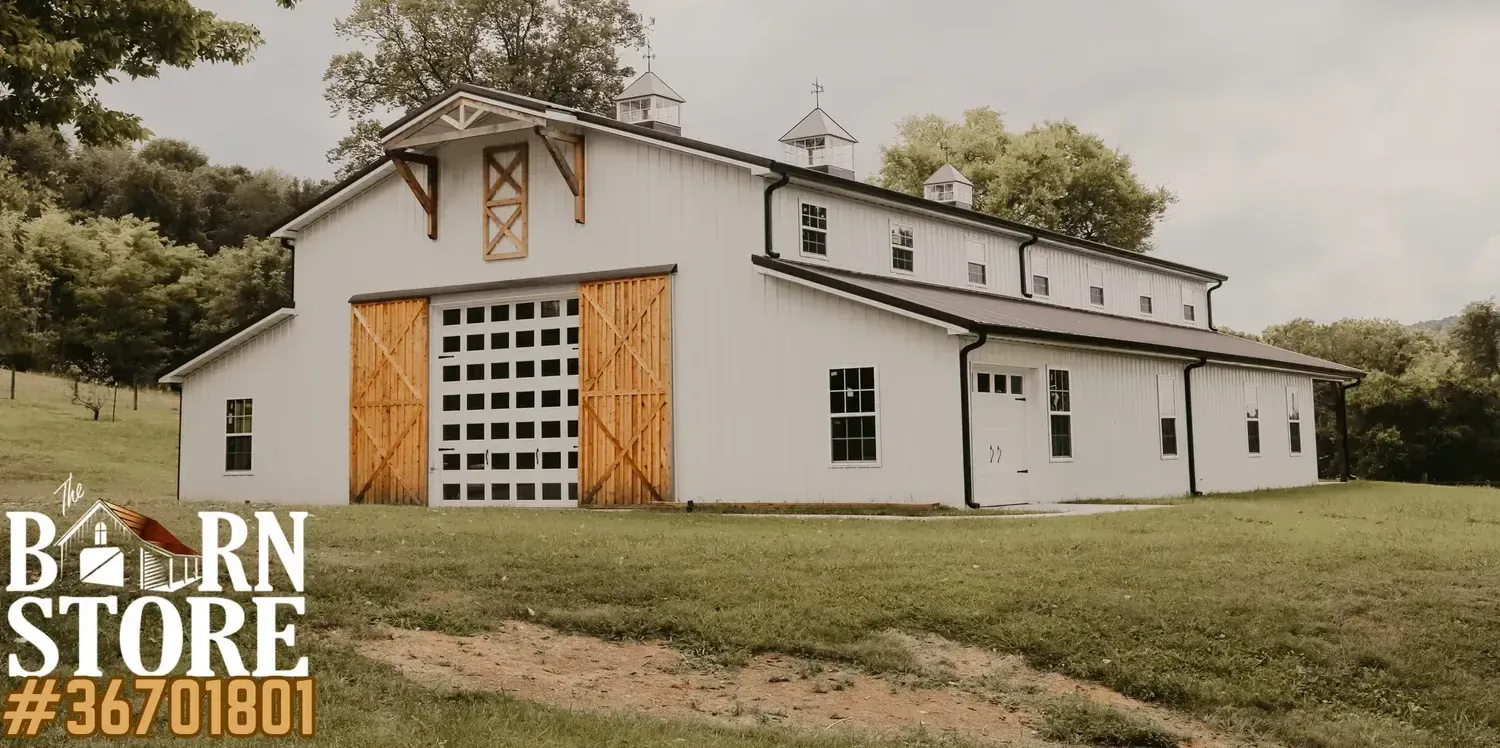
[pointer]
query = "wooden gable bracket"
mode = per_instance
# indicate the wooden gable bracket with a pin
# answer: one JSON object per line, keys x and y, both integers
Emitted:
{"x": 574, "y": 175}
{"x": 428, "y": 197}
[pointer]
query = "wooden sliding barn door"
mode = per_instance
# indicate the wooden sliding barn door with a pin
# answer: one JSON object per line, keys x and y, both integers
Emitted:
{"x": 625, "y": 408}
{"x": 388, "y": 403}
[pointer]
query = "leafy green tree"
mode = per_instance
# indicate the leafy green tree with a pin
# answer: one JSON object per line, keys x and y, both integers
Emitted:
{"x": 565, "y": 51}
{"x": 21, "y": 282}
{"x": 1475, "y": 337}
{"x": 238, "y": 286}
{"x": 1053, "y": 175}
{"x": 54, "y": 54}
{"x": 1368, "y": 344}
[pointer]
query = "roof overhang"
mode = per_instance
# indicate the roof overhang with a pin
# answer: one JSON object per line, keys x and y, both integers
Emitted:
{"x": 1033, "y": 321}
{"x": 245, "y": 335}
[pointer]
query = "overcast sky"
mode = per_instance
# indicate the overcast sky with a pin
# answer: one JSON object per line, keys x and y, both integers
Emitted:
{"x": 1333, "y": 158}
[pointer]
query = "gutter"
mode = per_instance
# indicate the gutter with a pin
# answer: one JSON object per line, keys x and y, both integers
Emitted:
{"x": 774, "y": 186}
{"x": 1210, "y": 300}
{"x": 963, "y": 417}
{"x": 1021, "y": 258}
{"x": 1344, "y": 388}
{"x": 1187, "y": 401}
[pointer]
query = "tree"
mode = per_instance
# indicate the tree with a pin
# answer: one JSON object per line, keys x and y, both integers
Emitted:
{"x": 1475, "y": 337}
{"x": 238, "y": 286}
{"x": 91, "y": 385}
{"x": 1053, "y": 176}
{"x": 20, "y": 283}
{"x": 1369, "y": 344}
{"x": 53, "y": 55}
{"x": 564, "y": 51}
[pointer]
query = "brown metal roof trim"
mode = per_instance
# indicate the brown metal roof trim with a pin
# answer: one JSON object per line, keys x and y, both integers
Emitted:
{"x": 149, "y": 530}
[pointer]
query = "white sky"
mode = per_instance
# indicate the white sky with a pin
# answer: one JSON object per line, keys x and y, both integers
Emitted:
{"x": 1337, "y": 158}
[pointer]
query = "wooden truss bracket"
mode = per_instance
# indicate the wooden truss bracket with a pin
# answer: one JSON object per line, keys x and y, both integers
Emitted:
{"x": 574, "y": 175}
{"x": 428, "y": 197}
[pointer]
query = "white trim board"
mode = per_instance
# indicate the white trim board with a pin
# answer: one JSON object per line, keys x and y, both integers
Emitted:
{"x": 952, "y": 329}
{"x": 179, "y": 374}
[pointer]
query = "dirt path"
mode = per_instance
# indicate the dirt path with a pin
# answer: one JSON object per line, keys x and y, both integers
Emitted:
{"x": 962, "y": 692}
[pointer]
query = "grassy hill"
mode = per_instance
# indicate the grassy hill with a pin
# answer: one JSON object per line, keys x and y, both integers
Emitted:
{"x": 1361, "y": 615}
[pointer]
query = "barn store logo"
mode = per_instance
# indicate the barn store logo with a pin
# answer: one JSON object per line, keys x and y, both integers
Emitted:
{"x": 112, "y": 548}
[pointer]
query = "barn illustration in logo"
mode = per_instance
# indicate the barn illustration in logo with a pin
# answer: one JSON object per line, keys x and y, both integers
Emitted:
{"x": 108, "y": 535}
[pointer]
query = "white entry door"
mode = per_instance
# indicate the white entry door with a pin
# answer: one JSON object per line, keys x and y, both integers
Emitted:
{"x": 997, "y": 420}
{"x": 504, "y": 426}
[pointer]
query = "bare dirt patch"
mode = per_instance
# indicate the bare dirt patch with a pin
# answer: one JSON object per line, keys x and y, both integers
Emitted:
{"x": 961, "y": 692}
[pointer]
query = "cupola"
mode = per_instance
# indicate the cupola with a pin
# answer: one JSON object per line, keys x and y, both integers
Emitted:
{"x": 650, "y": 102}
{"x": 821, "y": 144}
{"x": 949, "y": 187}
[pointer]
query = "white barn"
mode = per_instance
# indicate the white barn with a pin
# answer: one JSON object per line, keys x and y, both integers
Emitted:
{"x": 528, "y": 305}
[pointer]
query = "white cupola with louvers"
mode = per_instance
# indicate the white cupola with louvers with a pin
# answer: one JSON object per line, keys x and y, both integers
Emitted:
{"x": 819, "y": 143}
{"x": 650, "y": 102}
{"x": 950, "y": 187}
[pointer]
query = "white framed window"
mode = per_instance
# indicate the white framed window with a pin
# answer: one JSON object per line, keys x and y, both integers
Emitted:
{"x": 1060, "y": 413}
{"x": 978, "y": 270}
{"x": 1252, "y": 420}
{"x": 635, "y": 110}
{"x": 814, "y": 230}
{"x": 1189, "y": 305}
{"x": 1189, "y": 313}
{"x": 1148, "y": 306}
{"x": 903, "y": 248}
{"x": 942, "y": 193}
{"x": 1293, "y": 421}
{"x": 855, "y": 416}
{"x": 1166, "y": 414}
{"x": 237, "y": 435}
{"x": 1041, "y": 283}
{"x": 101, "y": 534}
{"x": 1096, "y": 286}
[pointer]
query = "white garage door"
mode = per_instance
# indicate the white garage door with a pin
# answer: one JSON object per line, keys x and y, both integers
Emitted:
{"x": 505, "y": 400}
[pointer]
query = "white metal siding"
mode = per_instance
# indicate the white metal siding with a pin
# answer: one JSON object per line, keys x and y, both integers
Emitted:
{"x": 859, "y": 239}
{"x": 1116, "y": 434}
{"x": 1224, "y": 461}
{"x": 263, "y": 369}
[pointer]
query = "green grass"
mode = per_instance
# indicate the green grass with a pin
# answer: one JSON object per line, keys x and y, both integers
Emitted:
{"x": 1078, "y": 720}
{"x": 1356, "y": 615}
{"x": 854, "y": 510}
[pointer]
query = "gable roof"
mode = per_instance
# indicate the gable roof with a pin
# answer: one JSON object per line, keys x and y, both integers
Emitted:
{"x": 650, "y": 84}
{"x": 145, "y": 529}
{"x": 1024, "y": 318}
{"x": 380, "y": 168}
{"x": 947, "y": 174}
{"x": 817, "y": 122}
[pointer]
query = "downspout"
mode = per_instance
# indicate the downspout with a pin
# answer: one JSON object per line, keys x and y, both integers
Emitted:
{"x": 290, "y": 245}
{"x": 1344, "y": 426}
{"x": 963, "y": 417}
{"x": 1210, "y": 299}
{"x": 774, "y": 186}
{"x": 1021, "y": 257}
{"x": 180, "y": 401}
{"x": 1187, "y": 402}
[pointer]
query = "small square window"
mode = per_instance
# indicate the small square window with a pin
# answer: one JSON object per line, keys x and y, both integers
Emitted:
{"x": 452, "y": 402}
{"x": 499, "y": 340}
{"x": 977, "y": 274}
{"x": 499, "y": 431}
{"x": 500, "y": 492}
{"x": 1146, "y": 305}
{"x": 572, "y": 336}
{"x": 475, "y": 401}
{"x": 451, "y": 373}
{"x": 572, "y": 460}
{"x": 525, "y": 369}
{"x": 477, "y": 461}
{"x": 500, "y": 313}
{"x": 526, "y": 310}
{"x": 525, "y": 338}
{"x": 499, "y": 400}
{"x": 475, "y": 372}
{"x": 526, "y": 492}
{"x": 1000, "y": 384}
{"x": 572, "y": 429}
{"x": 451, "y": 491}
{"x": 551, "y": 492}
{"x": 1189, "y": 313}
{"x": 452, "y": 316}
{"x": 572, "y": 397}
{"x": 551, "y": 429}
{"x": 551, "y": 309}
{"x": 552, "y": 367}
{"x": 474, "y": 431}
{"x": 552, "y": 460}
{"x": 475, "y": 343}
{"x": 1041, "y": 286}
{"x": 475, "y": 315}
{"x": 525, "y": 460}
{"x": 475, "y": 491}
{"x": 572, "y": 367}
{"x": 452, "y": 432}
{"x": 525, "y": 399}
{"x": 452, "y": 344}
{"x": 1096, "y": 295}
{"x": 500, "y": 370}
{"x": 572, "y": 307}
{"x": 552, "y": 336}
{"x": 452, "y": 461}
{"x": 525, "y": 430}
{"x": 1015, "y": 384}
{"x": 499, "y": 460}
{"x": 984, "y": 382}
{"x": 551, "y": 398}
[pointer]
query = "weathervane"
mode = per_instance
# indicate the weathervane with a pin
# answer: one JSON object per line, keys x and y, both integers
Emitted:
{"x": 817, "y": 92}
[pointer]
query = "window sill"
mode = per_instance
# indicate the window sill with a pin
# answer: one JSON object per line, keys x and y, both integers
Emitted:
{"x": 238, "y": 473}
{"x": 1060, "y": 459}
{"x": 1254, "y": 455}
{"x": 814, "y": 256}
{"x": 1169, "y": 457}
{"x": 856, "y": 465}
{"x": 899, "y": 271}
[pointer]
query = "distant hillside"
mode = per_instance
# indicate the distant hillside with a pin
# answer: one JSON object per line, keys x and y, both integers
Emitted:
{"x": 1437, "y": 326}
